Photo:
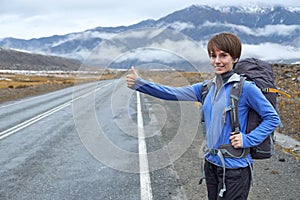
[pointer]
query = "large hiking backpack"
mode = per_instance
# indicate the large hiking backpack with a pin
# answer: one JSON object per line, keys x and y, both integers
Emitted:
{"x": 261, "y": 73}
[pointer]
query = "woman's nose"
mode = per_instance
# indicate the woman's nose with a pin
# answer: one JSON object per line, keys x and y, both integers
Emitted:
{"x": 217, "y": 59}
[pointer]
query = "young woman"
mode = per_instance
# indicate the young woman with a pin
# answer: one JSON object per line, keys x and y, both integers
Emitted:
{"x": 226, "y": 177}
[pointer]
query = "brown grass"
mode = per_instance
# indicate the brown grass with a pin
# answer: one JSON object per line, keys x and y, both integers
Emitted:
{"x": 17, "y": 81}
{"x": 15, "y": 86}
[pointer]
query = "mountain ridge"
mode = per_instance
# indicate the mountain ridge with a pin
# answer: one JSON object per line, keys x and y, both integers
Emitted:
{"x": 276, "y": 28}
{"x": 19, "y": 60}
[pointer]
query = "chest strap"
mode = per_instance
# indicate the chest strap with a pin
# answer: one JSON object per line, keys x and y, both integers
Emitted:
{"x": 228, "y": 151}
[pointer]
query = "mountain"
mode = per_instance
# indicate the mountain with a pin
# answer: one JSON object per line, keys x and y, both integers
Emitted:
{"x": 20, "y": 60}
{"x": 180, "y": 38}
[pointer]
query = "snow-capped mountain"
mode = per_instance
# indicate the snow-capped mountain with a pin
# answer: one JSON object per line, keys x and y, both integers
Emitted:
{"x": 270, "y": 33}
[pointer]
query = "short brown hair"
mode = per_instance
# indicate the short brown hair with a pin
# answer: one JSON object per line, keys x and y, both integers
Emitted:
{"x": 227, "y": 42}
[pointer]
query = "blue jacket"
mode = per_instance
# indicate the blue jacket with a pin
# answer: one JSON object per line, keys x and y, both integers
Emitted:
{"x": 213, "y": 108}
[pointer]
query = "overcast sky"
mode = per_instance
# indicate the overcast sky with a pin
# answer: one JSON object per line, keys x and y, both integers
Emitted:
{"x": 37, "y": 18}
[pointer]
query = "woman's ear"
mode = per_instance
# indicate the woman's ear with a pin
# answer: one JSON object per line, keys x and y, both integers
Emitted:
{"x": 236, "y": 60}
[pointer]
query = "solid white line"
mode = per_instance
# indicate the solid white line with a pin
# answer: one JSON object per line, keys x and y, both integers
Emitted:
{"x": 145, "y": 183}
{"x": 37, "y": 118}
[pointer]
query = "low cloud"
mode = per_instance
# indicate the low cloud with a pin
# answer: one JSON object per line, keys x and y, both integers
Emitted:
{"x": 268, "y": 30}
{"x": 179, "y": 26}
{"x": 271, "y": 52}
{"x": 150, "y": 55}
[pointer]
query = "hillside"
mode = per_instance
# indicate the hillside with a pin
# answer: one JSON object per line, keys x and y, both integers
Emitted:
{"x": 20, "y": 60}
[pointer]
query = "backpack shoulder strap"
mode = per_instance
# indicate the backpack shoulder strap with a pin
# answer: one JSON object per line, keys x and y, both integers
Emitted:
{"x": 235, "y": 94}
{"x": 205, "y": 89}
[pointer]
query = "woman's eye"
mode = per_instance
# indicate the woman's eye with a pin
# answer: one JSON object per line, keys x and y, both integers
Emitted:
{"x": 220, "y": 56}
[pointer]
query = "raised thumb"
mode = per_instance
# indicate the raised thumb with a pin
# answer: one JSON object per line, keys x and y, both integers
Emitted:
{"x": 133, "y": 71}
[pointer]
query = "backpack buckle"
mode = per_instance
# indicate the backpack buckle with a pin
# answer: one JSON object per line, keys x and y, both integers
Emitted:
{"x": 213, "y": 151}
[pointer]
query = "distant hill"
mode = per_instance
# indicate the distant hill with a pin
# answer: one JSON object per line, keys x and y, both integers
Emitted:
{"x": 19, "y": 60}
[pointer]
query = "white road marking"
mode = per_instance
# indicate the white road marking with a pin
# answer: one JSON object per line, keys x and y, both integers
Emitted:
{"x": 37, "y": 118}
{"x": 145, "y": 183}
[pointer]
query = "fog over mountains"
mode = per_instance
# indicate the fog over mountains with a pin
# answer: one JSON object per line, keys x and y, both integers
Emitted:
{"x": 269, "y": 33}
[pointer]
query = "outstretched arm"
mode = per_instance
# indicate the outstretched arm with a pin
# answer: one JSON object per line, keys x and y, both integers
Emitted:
{"x": 186, "y": 93}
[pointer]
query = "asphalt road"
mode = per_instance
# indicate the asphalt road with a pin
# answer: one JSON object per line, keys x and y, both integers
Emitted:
{"x": 83, "y": 143}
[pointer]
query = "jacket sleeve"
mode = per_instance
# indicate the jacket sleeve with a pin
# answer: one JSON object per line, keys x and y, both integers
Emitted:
{"x": 270, "y": 119}
{"x": 186, "y": 93}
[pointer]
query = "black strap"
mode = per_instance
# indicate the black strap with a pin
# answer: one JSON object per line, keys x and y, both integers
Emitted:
{"x": 204, "y": 91}
{"x": 235, "y": 94}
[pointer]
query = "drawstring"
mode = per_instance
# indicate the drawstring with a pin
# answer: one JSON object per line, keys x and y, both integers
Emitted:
{"x": 203, "y": 173}
{"x": 204, "y": 149}
{"x": 224, "y": 168}
{"x": 251, "y": 171}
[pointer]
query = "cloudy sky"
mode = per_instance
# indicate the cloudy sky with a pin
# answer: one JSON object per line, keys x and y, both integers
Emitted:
{"x": 35, "y": 18}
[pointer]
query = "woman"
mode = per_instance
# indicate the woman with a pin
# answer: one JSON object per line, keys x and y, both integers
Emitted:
{"x": 226, "y": 177}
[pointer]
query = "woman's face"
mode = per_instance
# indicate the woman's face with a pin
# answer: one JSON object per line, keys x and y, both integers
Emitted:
{"x": 221, "y": 61}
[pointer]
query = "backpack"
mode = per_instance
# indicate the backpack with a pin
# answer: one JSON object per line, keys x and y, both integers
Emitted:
{"x": 261, "y": 73}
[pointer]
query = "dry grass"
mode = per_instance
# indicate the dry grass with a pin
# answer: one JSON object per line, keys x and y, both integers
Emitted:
{"x": 16, "y": 81}
{"x": 15, "y": 86}
{"x": 290, "y": 151}
{"x": 174, "y": 78}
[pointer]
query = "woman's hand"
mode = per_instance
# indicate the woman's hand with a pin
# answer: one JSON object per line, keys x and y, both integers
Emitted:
{"x": 131, "y": 78}
{"x": 236, "y": 140}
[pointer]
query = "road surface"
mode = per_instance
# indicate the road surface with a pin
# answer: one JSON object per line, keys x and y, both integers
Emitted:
{"x": 43, "y": 154}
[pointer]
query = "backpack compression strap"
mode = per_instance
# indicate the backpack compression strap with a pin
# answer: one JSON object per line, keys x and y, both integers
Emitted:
{"x": 235, "y": 94}
{"x": 273, "y": 90}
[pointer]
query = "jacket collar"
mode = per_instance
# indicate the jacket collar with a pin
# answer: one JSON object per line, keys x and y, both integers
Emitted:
{"x": 235, "y": 77}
